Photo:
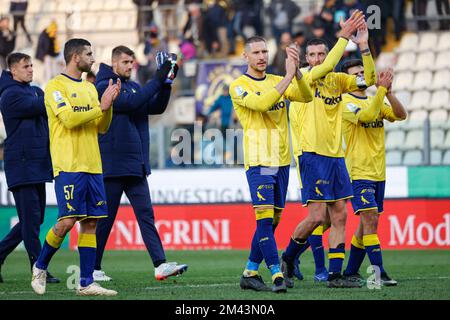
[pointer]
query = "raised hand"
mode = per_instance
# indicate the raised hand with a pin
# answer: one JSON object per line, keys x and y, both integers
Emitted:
{"x": 385, "y": 79}
{"x": 291, "y": 67}
{"x": 293, "y": 52}
{"x": 362, "y": 36}
{"x": 349, "y": 26}
{"x": 110, "y": 94}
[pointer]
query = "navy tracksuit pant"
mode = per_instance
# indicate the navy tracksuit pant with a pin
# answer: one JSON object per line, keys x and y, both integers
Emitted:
{"x": 30, "y": 204}
{"x": 137, "y": 191}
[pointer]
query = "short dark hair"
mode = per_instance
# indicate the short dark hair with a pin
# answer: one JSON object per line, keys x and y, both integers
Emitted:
{"x": 16, "y": 57}
{"x": 350, "y": 64}
{"x": 117, "y": 51}
{"x": 315, "y": 42}
{"x": 253, "y": 40}
{"x": 74, "y": 46}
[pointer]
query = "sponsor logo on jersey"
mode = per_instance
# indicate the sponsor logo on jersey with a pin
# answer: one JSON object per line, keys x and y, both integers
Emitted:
{"x": 374, "y": 124}
{"x": 328, "y": 100}
{"x": 279, "y": 105}
{"x": 81, "y": 108}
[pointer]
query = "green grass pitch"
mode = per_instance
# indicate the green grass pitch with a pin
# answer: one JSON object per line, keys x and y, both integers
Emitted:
{"x": 214, "y": 275}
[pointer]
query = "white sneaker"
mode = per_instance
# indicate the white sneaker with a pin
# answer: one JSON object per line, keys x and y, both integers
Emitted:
{"x": 94, "y": 289}
{"x": 100, "y": 276}
{"x": 38, "y": 280}
{"x": 168, "y": 269}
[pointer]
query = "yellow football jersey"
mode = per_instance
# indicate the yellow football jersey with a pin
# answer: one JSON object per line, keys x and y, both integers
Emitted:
{"x": 365, "y": 148}
{"x": 322, "y": 126}
{"x": 262, "y": 113}
{"x": 74, "y": 120}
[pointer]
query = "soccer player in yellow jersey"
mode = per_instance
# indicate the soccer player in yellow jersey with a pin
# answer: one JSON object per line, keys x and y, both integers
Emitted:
{"x": 75, "y": 118}
{"x": 363, "y": 130}
{"x": 324, "y": 177}
{"x": 260, "y": 100}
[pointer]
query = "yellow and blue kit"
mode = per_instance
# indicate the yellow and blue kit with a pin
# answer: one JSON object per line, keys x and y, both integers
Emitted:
{"x": 262, "y": 112}
{"x": 317, "y": 127}
{"x": 365, "y": 154}
{"x": 75, "y": 120}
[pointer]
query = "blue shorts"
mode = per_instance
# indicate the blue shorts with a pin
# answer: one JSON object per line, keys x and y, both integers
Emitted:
{"x": 81, "y": 195}
{"x": 323, "y": 179}
{"x": 369, "y": 195}
{"x": 268, "y": 185}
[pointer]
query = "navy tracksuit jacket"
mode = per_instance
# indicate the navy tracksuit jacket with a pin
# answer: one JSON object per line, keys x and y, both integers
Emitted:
{"x": 125, "y": 157}
{"x": 27, "y": 161}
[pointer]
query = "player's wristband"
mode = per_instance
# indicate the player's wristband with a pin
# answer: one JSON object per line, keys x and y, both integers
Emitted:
{"x": 365, "y": 51}
{"x": 344, "y": 37}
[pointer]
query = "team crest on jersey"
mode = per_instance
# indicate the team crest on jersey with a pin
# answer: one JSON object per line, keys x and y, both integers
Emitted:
{"x": 353, "y": 108}
{"x": 57, "y": 96}
{"x": 239, "y": 90}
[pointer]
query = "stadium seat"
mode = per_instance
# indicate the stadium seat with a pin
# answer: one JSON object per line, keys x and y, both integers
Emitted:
{"x": 105, "y": 22}
{"x": 446, "y": 158}
{"x": 413, "y": 140}
{"x": 405, "y": 61}
{"x": 437, "y": 138}
{"x": 444, "y": 42}
{"x": 420, "y": 100}
{"x": 436, "y": 157}
{"x": 113, "y": 4}
{"x": 439, "y": 115}
{"x": 403, "y": 80}
{"x": 416, "y": 119}
{"x": 409, "y": 42}
{"x": 428, "y": 41}
{"x": 386, "y": 60}
{"x": 126, "y": 5}
{"x": 88, "y": 22}
{"x": 97, "y": 6}
{"x": 442, "y": 60}
{"x": 51, "y": 5}
{"x": 413, "y": 158}
{"x": 440, "y": 99}
{"x": 404, "y": 97}
{"x": 394, "y": 158}
{"x": 422, "y": 80}
{"x": 425, "y": 61}
{"x": 33, "y": 6}
{"x": 441, "y": 80}
{"x": 446, "y": 144}
{"x": 395, "y": 139}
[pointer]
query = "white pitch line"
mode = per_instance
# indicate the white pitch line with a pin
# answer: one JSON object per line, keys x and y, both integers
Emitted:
{"x": 211, "y": 285}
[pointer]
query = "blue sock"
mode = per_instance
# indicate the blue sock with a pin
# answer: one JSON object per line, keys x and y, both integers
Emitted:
{"x": 318, "y": 252}
{"x": 357, "y": 254}
{"x": 275, "y": 271}
{"x": 294, "y": 247}
{"x": 87, "y": 246}
{"x": 336, "y": 257}
{"x": 255, "y": 252}
{"x": 45, "y": 256}
{"x": 267, "y": 242}
{"x": 51, "y": 245}
{"x": 373, "y": 249}
{"x": 303, "y": 249}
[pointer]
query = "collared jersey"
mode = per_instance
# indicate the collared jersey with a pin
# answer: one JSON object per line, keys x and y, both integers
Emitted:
{"x": 266, "y": 136}
{"x": 75, "y": 149}
{"x": 322, "y": 124}
{"x": 365, "y": 154}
